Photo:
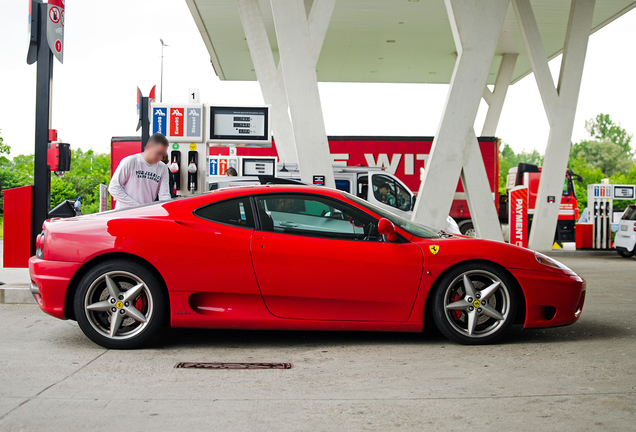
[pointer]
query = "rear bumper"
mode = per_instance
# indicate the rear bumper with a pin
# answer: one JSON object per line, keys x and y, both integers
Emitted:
{"x": 49, "y": 284}
{"x": 625, "y": 242}
{"x": 552, "y": 299}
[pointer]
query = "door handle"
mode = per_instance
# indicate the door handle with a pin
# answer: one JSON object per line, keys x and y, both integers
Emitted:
{"x": 288, "y": 224}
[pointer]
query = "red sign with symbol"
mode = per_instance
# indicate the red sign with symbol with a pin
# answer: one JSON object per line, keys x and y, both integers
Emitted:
{"x": 518, "y": 216}
{"x": 176, "y": 121}
{"x": 58, "y": 46}
{"x": 222, "y": 166}
{"x": 54, "y": 14}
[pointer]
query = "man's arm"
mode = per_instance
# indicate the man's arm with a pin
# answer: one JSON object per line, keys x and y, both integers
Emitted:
{"x": 120, "y": 178}
{"x": 164, "y": 185}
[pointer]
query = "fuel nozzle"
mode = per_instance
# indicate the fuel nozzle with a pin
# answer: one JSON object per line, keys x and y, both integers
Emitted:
{"x": 193, "y": 167}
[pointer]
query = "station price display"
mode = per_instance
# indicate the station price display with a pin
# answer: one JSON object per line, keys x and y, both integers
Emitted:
{"x": 239, "y": 125}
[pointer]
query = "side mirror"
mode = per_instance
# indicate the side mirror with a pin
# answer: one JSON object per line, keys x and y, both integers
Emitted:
{"x": 386, "y": 228}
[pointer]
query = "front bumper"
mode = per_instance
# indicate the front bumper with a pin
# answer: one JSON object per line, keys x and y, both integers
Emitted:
{"x": 50, "y": 282}
{"x": 552, "y": 298}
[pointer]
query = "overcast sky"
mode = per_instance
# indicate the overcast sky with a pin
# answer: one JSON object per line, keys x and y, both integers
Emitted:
{"x": 113, "y": 47}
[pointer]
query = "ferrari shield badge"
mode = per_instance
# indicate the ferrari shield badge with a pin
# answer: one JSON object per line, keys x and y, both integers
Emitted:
{"x": 434, "y": 249}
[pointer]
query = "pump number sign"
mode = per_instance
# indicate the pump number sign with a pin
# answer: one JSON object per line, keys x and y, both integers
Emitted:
{"x": 178, "y": 122}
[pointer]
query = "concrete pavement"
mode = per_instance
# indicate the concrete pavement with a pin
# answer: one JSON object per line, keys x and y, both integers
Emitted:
{"x": 580, "y": 377}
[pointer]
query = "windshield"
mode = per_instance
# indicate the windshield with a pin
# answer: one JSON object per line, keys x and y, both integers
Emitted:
{"x": 630, "y": 213}
{"x": 405, "y": 224}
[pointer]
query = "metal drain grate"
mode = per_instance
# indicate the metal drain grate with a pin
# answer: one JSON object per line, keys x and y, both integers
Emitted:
{"x": 200, "y": 365}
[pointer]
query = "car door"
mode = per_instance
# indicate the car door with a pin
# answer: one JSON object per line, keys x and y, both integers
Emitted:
{"x": 319, "y": 258}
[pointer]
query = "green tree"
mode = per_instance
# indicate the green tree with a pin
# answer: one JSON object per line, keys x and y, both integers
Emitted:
{"x": 5, "y": 149}
{"x": 508, "y": 159}
{"x": 88, "y": 170}
{"x": 603, "y": 128}
{"x": 61, "y": 191}
{"x": 610, "y": 157}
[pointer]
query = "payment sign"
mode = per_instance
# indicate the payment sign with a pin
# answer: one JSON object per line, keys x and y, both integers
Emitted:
{"x": 518, "y": 211}
{"x": 159, "y": 120}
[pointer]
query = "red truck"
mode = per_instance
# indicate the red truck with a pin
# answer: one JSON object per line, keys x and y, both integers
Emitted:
{"x": 405, "y": 157}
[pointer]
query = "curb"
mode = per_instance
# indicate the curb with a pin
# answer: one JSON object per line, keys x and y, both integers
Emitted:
{"x": 16, "y": 294}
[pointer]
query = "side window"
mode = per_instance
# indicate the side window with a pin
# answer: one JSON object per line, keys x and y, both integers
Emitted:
{"x": 236, "y": 212}
{"x": 315, "y": 216}
{"x": 363, "y": 187}
{"x": 384, "y": 190}
{"x": 343, "y": 185}
{"x": 403, "y": 198}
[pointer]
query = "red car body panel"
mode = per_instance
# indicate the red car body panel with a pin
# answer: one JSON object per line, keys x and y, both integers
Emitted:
{"x": 222, "y": 276}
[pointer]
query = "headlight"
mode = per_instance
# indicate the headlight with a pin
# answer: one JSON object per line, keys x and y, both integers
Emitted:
{"x": 550, "y": 262}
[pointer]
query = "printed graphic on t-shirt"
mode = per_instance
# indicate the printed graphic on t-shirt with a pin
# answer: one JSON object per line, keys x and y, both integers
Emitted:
{"x": 148, "y": 175}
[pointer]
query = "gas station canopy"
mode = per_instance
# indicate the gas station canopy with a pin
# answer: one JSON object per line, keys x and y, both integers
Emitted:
{"x": 399, "y": 41}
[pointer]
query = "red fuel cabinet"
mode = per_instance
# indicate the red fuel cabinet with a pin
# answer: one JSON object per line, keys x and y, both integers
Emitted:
{"x": 18, "y": 214}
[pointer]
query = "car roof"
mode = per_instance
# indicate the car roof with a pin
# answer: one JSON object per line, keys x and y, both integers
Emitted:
{"x": 279, "y": 188}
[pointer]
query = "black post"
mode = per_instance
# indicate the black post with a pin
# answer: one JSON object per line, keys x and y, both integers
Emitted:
{"x": 145, "y": 123}
{"x": 41, "y": 174}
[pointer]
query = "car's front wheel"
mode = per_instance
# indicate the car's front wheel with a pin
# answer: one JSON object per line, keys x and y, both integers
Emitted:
{"x": 475, "y": 303}
{"x": 120, "y": 304}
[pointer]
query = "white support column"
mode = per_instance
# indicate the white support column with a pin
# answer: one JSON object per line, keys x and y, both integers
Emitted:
{"x": 560, "y": 107}
{"x": 269, "y": 78}
{"x": 476, "y": 28}
{"x": 301, "y": 83}
{"x": 495, "y": 99}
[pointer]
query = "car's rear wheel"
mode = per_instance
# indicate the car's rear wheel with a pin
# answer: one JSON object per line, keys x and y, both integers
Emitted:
{"x": 474, "y": 304}
{"x": 120, "y": 304}
{"x": 625, "y": 253}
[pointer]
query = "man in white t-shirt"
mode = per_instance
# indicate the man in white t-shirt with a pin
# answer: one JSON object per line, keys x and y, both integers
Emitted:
{"x": 141, "y": 178}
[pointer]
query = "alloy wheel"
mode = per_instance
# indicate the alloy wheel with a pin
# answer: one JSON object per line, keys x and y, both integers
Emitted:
{"x": 477, "y": 303}
{"x": 119, "y": 305}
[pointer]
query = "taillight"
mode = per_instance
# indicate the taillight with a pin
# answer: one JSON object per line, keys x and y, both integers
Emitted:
{"x": 39, "y": 244}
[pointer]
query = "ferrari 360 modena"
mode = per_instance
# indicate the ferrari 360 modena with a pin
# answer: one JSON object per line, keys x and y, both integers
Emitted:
{"x": 289, "y": 257}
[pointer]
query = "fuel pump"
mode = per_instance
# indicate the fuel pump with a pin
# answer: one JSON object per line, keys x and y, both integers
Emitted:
{"x": 175, "y": 168}
{"x": 599, "y": 211}
{"x": 600, "y": 205}
{"x": 193, "y": 168}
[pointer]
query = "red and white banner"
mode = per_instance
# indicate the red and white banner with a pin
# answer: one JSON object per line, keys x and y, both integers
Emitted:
{"x": 518, "y": 216}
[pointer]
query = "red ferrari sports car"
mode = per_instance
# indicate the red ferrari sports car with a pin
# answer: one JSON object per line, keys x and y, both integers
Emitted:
{"x": 288, "y": 257}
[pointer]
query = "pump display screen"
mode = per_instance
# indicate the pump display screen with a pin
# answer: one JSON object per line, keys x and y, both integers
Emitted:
{"x": 624, "y": 192}
{"x": 237, "y": 123}
{"x": 258, "y": 166}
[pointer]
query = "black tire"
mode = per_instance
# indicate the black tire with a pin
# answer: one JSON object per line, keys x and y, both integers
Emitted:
{"x": 150, "y": 303}
{"x": 454, "y": 322}
{"x": 468, "y": 229}
{"x": 625, "y": 253}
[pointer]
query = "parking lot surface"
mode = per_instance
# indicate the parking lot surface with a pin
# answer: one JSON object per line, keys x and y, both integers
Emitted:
{"x": 580, "y": 377}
